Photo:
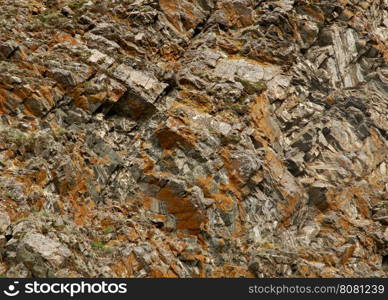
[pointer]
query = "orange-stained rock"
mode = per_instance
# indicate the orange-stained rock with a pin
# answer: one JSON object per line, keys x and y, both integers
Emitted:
{"x": 193, "y": 138}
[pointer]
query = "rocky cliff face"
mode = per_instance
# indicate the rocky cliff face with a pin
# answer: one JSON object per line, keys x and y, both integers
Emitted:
{"x": 193, "y": 138}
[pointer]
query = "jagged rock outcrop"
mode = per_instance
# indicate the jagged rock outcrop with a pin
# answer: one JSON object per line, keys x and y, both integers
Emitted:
{"x": 195, "y": 138}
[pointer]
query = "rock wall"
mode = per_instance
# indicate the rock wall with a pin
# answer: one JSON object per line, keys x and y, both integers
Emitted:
{"x": 193, "y": 138}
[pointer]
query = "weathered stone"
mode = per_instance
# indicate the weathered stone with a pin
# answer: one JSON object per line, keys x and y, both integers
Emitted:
{"x": 244, "y": 70}
{"x": 193, "y": 138}
{"x": 140, "y": 82}
{"x": 97, "y": 41}
{"x": 64, "y": 77}
{"x": 40, "y": 253}
{"x": 100, "y": 59}
{"x": 7, "y": 48}
{"x": 5, "y": 221}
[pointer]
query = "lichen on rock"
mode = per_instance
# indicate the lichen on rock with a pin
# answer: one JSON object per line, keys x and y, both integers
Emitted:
{"x": 201, "y": 138}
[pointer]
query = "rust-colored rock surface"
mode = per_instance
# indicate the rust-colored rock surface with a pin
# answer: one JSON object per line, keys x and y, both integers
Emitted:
{"x": 193, "y": 138}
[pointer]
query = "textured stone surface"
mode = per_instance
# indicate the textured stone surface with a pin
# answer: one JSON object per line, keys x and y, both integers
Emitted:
{"x": 201, "y": 138}
{"x": 35, "y": 249}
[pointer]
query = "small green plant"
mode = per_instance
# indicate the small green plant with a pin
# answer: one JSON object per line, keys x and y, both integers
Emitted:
{"x": 11, "y": 195}
{"x": 252, "y": 87}
{"x": 17, "y": 137}
{"x": 108, "y": 230}
{"x": 34, "y": 209}
{"x": 46, "y": 214}
{"x": 99, "y": 246}
{"x": 58, "y": 133}
{"x": 50, "y": 18}
{"x": 107, "y": 249}
{"x": 240, "y": 108}
{"x": 145, "y": 8}
{"x": 47, "y": 17}
{"x": 76, "y": 4}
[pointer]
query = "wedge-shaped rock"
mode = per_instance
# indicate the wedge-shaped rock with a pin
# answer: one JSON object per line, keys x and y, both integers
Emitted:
{"x": 243, "y": 69}
{"x": 142, "y": 91}
{"x": 140, "y": 83}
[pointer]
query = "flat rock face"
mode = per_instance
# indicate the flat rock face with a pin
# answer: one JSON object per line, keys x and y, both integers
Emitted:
{"x": 35, "y": 250}
{"x": 199, "y": 138}
{"x": 242, "y": 69}
{"x": 5, "y": 221}
{"x": 145, "y": 85}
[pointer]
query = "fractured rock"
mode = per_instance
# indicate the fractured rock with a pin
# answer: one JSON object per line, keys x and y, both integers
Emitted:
{"x": 40, "y": 254}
